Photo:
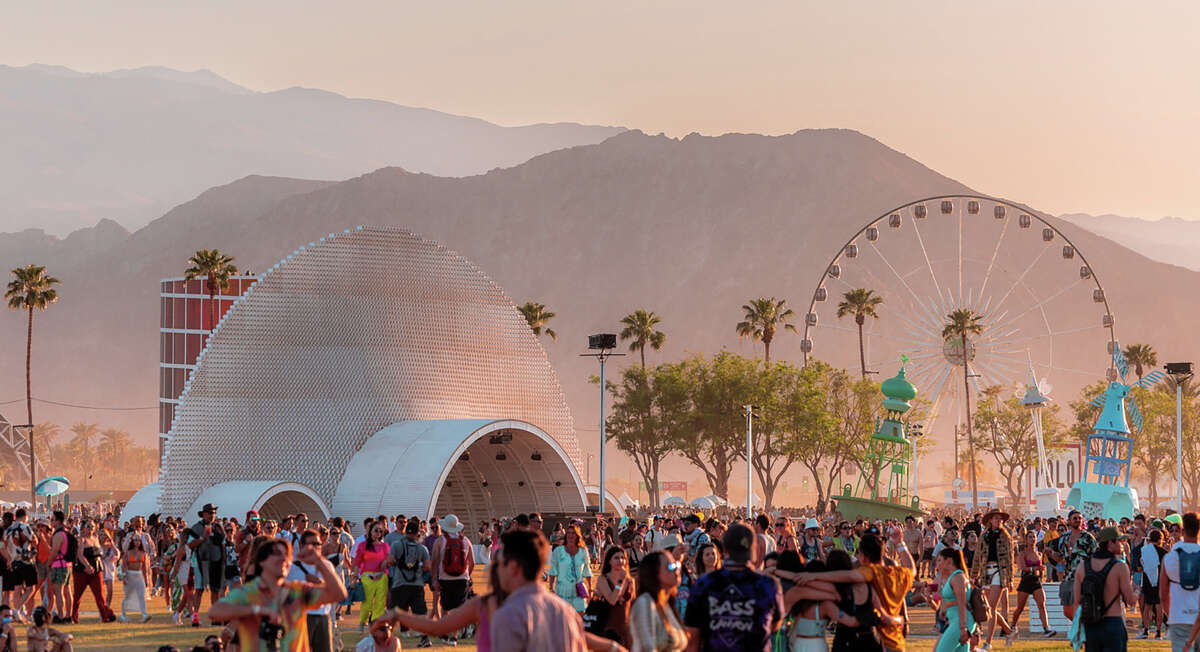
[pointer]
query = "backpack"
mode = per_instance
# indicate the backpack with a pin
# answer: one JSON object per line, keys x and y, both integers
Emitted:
{"x": 454, "y": 558}
{"x": 410, "y": 568}
{"x": 1189, "y": 569}
{"x": 1091, "y": 593}
{"x": 979, "y": 608}
{"x": 72, "y": 545}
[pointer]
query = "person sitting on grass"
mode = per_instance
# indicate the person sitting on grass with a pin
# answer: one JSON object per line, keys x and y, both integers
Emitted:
{"x": 41, "y": 637}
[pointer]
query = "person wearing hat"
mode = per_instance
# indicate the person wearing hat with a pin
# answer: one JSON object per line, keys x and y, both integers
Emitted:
{"x": 1109, "y": 632}
{"x": 811, "y": 544}
{"x": 992, "y": 569}
{"x": 453, "y": 560}
{"x": 207, "y": 543}
{"x": 734, "y": 607}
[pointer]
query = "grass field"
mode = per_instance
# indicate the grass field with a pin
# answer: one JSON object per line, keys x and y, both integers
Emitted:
{"x": 93, "y": 636}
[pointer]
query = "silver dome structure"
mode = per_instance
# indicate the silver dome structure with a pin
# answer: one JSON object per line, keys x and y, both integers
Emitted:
{"x": 369, "y": 372}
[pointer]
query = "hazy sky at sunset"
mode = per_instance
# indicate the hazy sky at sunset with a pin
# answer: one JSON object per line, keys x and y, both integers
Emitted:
{"x": 1067, "y": 106}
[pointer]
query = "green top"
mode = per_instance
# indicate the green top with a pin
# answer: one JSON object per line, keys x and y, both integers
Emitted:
{"x": 898, "y": 388}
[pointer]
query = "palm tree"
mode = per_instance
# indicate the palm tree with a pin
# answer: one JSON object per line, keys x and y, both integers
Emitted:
{"x": 114, "y": 445}
{"x": 763, "y": 317}
{"x": 639, "y": 327}
{"x": 46, "y": 433}
{"x": 30, "y": 289}
{"x": 1141, "y": 356}
{"x": 537, "y": 316}
{"x": 861, "y": 303}
{"x": 84, "y": 434}
{"x": 961, "y": 323}
{"x": 216, "y": 267}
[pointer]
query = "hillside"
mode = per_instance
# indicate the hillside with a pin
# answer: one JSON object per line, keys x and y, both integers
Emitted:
{"x": 129, "y": 144}
{"x": 690, "y": 228}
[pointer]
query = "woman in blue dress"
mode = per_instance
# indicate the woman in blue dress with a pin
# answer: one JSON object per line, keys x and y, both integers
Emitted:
{"x": 961, "y": 624}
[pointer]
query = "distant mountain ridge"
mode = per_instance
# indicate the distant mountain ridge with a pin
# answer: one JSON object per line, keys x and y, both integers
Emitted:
{"x": 1171, "y": 240}
{"x": 690, "y": 228}
{"x": 127, "y": 145}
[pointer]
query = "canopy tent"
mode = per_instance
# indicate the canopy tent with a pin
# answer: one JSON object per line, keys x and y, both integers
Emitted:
{"x": 704, "y": 502}
{"x": 674, "y": 500}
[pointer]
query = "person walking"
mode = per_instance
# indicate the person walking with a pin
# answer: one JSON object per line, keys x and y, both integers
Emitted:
{"x": 88, "y": 572}
{"x": 960, "y": 622}
{"x": 136, "y": 566}
{"x": 206, "y": 541}
{"x": 653, "y": 621}
{"x": 408, "y": 563}
{"x": 1100, "y": 585}
{"x": 1179, "y": 586}
{"x": 1151, "y": 554}
{"x": 991, "y": 569}
{"x": 571, "y": 570}
{"x": 452, "y": 561}
{"x": 370, "y": 563}
{"x": 60, "y": 568}
{"x": 1030, "y": 562}
{"x": 1070, "y": 549}
{"x": 317, "y": 620}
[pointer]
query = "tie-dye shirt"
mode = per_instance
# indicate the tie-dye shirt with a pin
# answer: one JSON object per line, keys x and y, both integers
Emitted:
{"x": 292, "y": 601}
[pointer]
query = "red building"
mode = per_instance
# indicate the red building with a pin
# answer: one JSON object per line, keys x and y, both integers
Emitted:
{"x": 183, "y": 327}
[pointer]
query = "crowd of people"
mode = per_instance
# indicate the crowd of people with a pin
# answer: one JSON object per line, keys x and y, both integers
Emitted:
{"x": 646, "y": 580}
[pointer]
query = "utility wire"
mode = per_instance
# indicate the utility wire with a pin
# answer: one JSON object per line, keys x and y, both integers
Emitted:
{"x": 82, "y": 407}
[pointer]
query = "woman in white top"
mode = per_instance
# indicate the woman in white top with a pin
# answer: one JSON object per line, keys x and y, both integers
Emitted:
{"x": 653, "y": 622}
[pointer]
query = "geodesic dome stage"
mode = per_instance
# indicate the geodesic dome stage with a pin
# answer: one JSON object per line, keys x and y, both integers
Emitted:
{"x": 370, "y": 372}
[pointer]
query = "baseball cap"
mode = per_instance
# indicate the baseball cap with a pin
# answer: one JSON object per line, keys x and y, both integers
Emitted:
{"x": 738, "y": 541}
{"x": 1111, "y": 534}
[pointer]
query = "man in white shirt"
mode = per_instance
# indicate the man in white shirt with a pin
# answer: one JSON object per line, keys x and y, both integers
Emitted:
{"x": 1180, "y": 567}
{"x": 320, "y": 626}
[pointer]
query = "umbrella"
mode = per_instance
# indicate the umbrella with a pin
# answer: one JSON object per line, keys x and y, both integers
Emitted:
{"x": 52, "y": 486}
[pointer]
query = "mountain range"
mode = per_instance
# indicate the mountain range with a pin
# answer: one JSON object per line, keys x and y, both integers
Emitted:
{"x": 1170, "y": 239}
{"x": 128, "y": 145}
{"x": 690, "y": 228}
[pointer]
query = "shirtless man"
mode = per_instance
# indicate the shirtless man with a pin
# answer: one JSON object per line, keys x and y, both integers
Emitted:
{"x": 1109, "y": 633}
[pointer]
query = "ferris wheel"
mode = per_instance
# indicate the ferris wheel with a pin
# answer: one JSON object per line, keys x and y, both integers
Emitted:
{"x": 1038, "y": 299}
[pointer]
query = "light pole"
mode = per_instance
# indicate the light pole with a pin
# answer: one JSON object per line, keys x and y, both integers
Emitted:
{"x": 602, "y": 344}
{"x": 749, "y": 451}
{"x": 1180, "y": 372}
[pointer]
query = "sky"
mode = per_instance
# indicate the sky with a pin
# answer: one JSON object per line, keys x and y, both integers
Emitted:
{"x": 1066, "y": 106}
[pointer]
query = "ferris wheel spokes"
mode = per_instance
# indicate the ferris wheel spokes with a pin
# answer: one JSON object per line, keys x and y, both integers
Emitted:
{"x": 1021, "y": 278}
{"x": 996, "y": 250}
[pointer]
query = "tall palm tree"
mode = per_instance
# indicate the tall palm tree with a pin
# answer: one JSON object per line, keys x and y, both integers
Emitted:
{"x": 1141, "y": 356}
{"x": 30, "y": 289}
{"x": 961, "y": 323}
{"x": 861, "y": 303}
{"x": 84, "y": 434}
{"x": 537, "y": 316}
{"x": 114, "y": 445}
{"x": 762, "y": 319}
{"x": 216, "y": 268}
{"x": 639, "y": 327}
{"x": 46, "y": 433}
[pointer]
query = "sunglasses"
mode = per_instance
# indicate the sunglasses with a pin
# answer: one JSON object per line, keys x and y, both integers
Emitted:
{"x": 781, "y": 525}
{"x": 673, "y": 566}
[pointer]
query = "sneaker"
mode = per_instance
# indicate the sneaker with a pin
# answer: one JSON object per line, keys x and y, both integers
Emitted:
{"x": 146, "y": 618}
{"x": 124, "y": 619}
{"x": 986, "y": 647}
{"x": 175, "y": 618}
{"x": 1158, "y": 635}
{"x": 1011, "y": 637}
{"x": 1143, "y": 635}
{"x": 424, "y": 642}
{"x": 1050, "y": 634}
{"x": 195, "y": 619}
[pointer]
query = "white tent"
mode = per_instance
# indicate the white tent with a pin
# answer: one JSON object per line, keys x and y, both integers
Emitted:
{"x": 674, "y": 500}
{"x": 717, "y": 500}
{"x": 704, "y": 502}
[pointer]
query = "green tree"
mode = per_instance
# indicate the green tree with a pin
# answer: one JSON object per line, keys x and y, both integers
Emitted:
{"x": 861, "y": 303}
{"x": 649, "y": 408}
{"x": 715, "y": 436}
{"x": 537, "y": 316}
{"x": 1154, "y": 446}
{"x": 1085, "y": 413}
{"x": 841, "y": 428}
{"x": 84, "y": 434}
{"x": 791, "y": 405}
{"x": 640, "y": 327}
{"x": 1009, "y": 437}
{"x": 961, "y": 323}
{"x": 762, "y": 318}
{"x": 216, "y": 268}
{"x": 30, "y": 289}
{"x": 1140, "y": 356}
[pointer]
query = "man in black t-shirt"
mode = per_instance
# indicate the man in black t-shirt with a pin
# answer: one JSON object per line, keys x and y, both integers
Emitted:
{"x": 206, "y": 540}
